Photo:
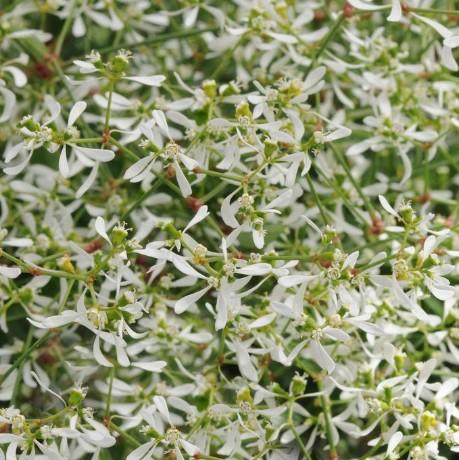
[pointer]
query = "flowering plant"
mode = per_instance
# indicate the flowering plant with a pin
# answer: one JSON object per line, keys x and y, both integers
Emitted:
{"x": 229, "y": 230}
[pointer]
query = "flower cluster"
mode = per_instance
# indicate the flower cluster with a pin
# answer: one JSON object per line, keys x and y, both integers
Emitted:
{"x": 229, "y": 229}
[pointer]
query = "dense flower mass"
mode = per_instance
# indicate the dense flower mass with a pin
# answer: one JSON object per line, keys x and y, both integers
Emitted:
{"x": 229, "y": 229}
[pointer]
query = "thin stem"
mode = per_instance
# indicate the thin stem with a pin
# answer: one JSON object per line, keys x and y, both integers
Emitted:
{"x": 317, "y": 200}
{"x": 25, "y": 354}
{"x": 378, "y": 262}
{"x": 331, "y": 33}
{"x": 434, "y": 11}
{"x": 208, "y": 172}
{"x": 64, "y": 30}
{"x": 227, "y": 57}
{"x": 36, "y": 270}
{"x": 109, "y": 106}
{"x": 295, "y": 433}
{"x": 286, "y": 257}
{"x": 300, "y": 442}
{"x": 138, "y": 202}
{"x": 325, "y": 402}
{"x": 17, "y": 383}
{"x": 158, "y": 39}
{"x": 88, "y": 140}
{"x": 125, "y": 435}
{"x": 133, "y": 156}
{"x": 339, "y": 156}
{"x": 110, "y": 389}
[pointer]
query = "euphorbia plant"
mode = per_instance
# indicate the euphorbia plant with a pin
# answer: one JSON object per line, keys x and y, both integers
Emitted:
{"x": 229, "y": 229}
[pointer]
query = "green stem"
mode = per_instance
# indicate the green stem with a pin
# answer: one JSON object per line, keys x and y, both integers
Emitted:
{"x": 317, "y": 200}
{"x": 379, "y": 262}
{"x": 339, "y": 156}
{"x": 132, "y": 156}
{"x": 227, "y": 57}
{"x": 434, "y": 11}
{"x": 331, "y": 33}
{"x": 139, "y": 201}
{"x": 125, "y": 435}
{"x": 295, "y": 433}
{"x": 64, "y": 30}
{"x": 25, "y": 354}
{"x": 325, "y": 402}
{"x": 17, "y": 383}
{"x": 208, "y": 172}
{"x": 31, "y": 268}
{"x": 89, "y": 140}
{"x": 110, "y": 389}
{"x": 109, "y": 106}
{"x": 158, "y": 39}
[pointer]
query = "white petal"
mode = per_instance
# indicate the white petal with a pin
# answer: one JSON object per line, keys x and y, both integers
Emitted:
{"x": 85, "y": 186}
{"x": 14, "y": 170}
{"x": 294, "y": 280}
{"x": 282, "y": 200}
{"x": 142, "y": 452}
{"x": 66, "y": 317}
{"x": 78, "y": 28}
{"x": 395, "y": 12}
{"x": 320, "y": 356}
{"x": 161, "y": 121}
{"x": 283, "y": 38}
{"x": 186, "y": 302}
{"x": 263, "y": 321}
{"x": 336, "y": 334}
{"x": 314, "y": 77}
{"x": 45, "y": 388}
{"x": 10, "y": 272}
{"x": 9, "y": 101}
{"x": 447, "y": 388}
{"x": 54, "y": 108}
{"x": 95, "y": 154}
{"x": 78, "y": 108}
{"x": 394, "y": 441}
{"x": 85, "y": 67}
{"x": 190, "y": 16}
{"x": 426, "y": 371}
{"x": 9, "y": 438}
{"x": 441, "y": 29}
{"x": 154, "y": 80}
{"x": 358, "y": 148}
{"x": 351, "y": 260}
{"x": 161, "y": 405}
{"x": 452, "y": 42}
{"x": 139, "y": 166}
{"x": 259, "y": 269}
{"x": 101, "y": 229}
{"x": 198, "y": 217}
{"x": 258, "y": 237}
{"x": 98, "y": 356}
{"x": 182, "y": 265}
{"x": 154, "y": 366}
{"x": 182, "y": 181}
{"x": 18, "y": 242}
{"x": 64, "y": 168}
{"x": 189, "y": 448}
{"x": 227, "y": 211}
{"x": 12, "y": 152}
{"x": 20, "y": 78}
{"x": 361, "y": 5}
{"x": 244, "y": 363}
{"x": 385, "y": 204}
{"x": 121, "y": 355}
